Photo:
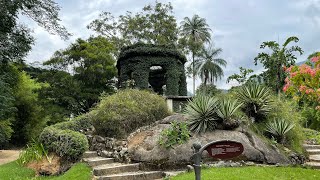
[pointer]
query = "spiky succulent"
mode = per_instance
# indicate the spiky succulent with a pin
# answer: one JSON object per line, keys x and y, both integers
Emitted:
{"x": 256, "y": 99}
{"x": 202, "y": 114}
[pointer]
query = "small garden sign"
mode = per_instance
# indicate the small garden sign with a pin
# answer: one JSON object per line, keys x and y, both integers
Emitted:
{"x": 218, "y": 150}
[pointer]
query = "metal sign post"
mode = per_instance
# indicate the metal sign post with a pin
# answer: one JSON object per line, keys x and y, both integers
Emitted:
{"x": 217, "y": 149}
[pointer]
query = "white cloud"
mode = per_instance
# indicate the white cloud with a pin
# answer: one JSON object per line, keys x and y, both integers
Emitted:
{"x": 239, "y": 27}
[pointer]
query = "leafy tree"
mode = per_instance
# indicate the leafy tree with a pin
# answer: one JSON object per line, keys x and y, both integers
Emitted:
{"x": 154, "y": 24}
{"x": 15, "y": 38}
{"x": 242, "y": 77}
{"x": 280, "y": 56}
{"x": 93, "y": 66}
{"x": 196, "y": 32}
{"x": 208, "y": 67}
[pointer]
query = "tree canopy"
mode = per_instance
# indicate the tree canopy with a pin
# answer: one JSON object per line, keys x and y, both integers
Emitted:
{"x": 155, "y": 24}
{"x": 92, "y": 66}
{"x": 15, "y": 38}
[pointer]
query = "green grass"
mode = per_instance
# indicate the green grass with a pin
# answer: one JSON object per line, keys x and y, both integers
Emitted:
{"x": 13, "y": 171}
{"x": 254, "y": 173}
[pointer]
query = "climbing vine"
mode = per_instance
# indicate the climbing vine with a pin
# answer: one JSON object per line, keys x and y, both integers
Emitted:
{"x": 135, "y": 61}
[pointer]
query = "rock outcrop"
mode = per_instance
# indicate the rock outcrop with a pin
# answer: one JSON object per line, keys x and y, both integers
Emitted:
{"x": 143, "y": 145}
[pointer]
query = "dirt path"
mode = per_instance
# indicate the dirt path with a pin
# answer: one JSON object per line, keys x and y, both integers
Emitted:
{"x": 8, "y": 156}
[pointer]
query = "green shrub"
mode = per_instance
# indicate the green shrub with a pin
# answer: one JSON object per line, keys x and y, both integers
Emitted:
{"x": 278, "y": 128}
{"x": 122, "y": 113}
{"x": 256, "y": 99}
{"x": 35, "y": 151}
{"x": 78, "y": 124}
{"x": 67, "y": 144}
{"x": 178, "y": 133}
{"x": 201, "y": 113}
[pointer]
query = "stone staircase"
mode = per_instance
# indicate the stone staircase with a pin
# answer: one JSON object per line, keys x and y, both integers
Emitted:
{"x": 314, "y": 155}
{"x": 107, "y": 169}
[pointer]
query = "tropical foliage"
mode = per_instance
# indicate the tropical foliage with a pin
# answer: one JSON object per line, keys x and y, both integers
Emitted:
{"x": 274, "y": 62}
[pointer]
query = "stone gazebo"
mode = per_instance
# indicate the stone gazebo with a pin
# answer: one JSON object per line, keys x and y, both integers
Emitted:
{"x": 156, "y": 67}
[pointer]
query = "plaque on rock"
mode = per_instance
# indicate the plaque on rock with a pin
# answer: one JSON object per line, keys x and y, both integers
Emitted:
{"x": 224, "y": 149}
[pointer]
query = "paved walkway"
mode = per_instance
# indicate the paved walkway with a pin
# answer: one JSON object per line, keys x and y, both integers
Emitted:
{"x": 8, "y": 156}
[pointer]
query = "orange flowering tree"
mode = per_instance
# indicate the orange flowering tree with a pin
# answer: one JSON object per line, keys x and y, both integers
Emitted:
{"x": 303, "y": 82}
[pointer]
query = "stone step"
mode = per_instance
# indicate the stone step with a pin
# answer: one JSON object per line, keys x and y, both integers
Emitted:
{"x": 314, "y": 158}
{"x": 140, "y": 175}
{"x": 90, "y": 154}
{"x": 115, "y": 168}
{"x": 309, "y": 146}
{"x": 315, "y": 165}
{"x": 313, "y": 151}
{"x": 97, "y": 161}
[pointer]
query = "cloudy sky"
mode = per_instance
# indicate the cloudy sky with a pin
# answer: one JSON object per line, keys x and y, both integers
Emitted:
{"x": 239, "y": 26}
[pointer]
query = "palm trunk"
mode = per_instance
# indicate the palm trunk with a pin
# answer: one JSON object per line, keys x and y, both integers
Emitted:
{"x": 193, "y": 74}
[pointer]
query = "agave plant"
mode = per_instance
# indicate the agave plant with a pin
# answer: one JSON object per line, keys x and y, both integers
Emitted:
{"x": 279, "y": 129}
{"x": 256, "y": 100}
{"x": 201, "y": 112}
{"x": 227, "y": 108}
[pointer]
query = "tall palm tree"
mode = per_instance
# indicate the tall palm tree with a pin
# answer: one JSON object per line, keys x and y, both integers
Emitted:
{"x": 197, "y": 32}
{"x": 208, "y": 66}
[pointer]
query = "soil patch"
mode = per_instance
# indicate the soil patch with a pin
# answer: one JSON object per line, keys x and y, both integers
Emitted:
{"x": 46, "y": 168}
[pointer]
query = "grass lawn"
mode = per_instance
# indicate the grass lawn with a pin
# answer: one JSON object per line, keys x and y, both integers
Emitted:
{"x": 13, "y": 171}
{"x": 253, "y": 173}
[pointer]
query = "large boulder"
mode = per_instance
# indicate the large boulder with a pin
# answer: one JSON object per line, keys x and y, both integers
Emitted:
{"x": 143, "y": 145}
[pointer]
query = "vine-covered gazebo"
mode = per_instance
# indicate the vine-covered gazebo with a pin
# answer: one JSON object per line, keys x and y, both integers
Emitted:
{"x": 156, "y": 67}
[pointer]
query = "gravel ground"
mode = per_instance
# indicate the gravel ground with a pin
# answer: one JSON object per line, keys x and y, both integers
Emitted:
{"x": 8, "y": 156}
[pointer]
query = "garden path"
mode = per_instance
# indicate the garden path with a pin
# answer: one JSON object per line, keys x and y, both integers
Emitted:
{"x": 8, "y": 156}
